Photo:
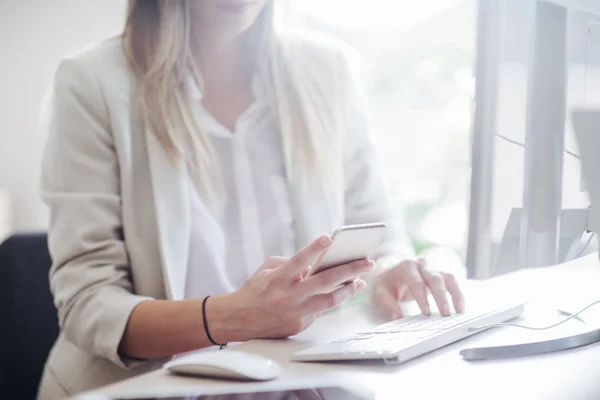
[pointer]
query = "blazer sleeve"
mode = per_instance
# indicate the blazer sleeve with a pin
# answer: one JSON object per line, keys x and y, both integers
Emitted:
{"x": 366, "y": 196}
{"x": 90, "y": 275}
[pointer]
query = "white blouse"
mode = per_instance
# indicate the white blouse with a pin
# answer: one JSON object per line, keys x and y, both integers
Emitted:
{"x": 252, "y": 206}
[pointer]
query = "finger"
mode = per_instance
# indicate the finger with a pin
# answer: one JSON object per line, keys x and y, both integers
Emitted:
{"x": 437, "y": 286}
{"x": 387, "y": 302}
{"x": 274, "y": 262}
{"x": 458, "y": 299}
{"x": 404, "y": 294}
{"x": 303, "y": 258}
{"x": 408, "y": 273}
{"x": 324, "y": 302}
{"x": 326, "y": 280}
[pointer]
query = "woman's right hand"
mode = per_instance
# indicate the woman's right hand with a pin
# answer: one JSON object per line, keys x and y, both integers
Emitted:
{"x": 280, "y": 301}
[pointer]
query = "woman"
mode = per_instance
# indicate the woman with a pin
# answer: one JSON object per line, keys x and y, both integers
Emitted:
{"x": 191, "y": 157}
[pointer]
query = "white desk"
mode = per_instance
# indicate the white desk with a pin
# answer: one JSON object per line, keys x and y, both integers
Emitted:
{"x": 567, "y": 375}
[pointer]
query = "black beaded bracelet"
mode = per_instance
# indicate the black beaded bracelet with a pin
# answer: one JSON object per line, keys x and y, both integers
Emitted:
{"x": 221, "y": 346}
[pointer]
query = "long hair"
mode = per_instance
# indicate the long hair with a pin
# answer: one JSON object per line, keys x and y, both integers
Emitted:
{"x": 159, "y": 45}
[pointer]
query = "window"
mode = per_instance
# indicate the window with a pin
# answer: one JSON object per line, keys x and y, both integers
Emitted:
{"x": 420, "y": 83}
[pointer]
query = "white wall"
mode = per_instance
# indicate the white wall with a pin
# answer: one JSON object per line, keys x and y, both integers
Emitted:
{"x": 34, "y": 35}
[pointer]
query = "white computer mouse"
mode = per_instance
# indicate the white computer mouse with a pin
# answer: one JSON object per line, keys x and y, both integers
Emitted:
{"x": 228, "y": 364}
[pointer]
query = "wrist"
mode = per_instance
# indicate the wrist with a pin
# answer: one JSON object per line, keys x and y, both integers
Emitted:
{"x": 222, "y": 318}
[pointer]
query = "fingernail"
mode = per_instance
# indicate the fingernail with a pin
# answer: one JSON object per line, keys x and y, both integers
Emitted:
{"x": 325, "y": 240}
{"x": 359, "y": 285}
{"x": 395, "y": 316}
{"x": 445, "y": 310}
{"x": 369, "y": 264}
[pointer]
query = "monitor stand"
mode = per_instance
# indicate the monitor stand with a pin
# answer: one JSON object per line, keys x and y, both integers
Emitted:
{"x": 575, "y": 226}
{"x": 532, "y": 348}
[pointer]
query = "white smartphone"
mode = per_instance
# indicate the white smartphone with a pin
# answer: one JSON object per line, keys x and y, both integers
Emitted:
{"x": 351, "y": 243}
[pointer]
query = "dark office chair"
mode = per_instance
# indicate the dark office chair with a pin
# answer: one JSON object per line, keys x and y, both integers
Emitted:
{"x": 28, "y": 320}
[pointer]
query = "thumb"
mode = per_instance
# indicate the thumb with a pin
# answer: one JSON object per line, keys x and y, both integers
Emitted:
{"x": 387, "y": 301}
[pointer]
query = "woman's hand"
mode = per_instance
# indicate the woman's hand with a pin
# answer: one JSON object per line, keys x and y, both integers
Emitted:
{"x": 412, "y": 280}
{"x": 279, "y": 301}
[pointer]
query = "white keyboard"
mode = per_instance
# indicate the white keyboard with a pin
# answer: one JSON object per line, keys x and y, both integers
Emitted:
{"x": 406, "y": 338}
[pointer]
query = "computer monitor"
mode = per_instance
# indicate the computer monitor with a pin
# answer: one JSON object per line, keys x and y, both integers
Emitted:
{"x": 586, "y": 127}
{"x": 536, "y": 61}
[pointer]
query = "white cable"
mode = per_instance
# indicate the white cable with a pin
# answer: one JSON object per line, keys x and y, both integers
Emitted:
{"x": 534, "y": 328}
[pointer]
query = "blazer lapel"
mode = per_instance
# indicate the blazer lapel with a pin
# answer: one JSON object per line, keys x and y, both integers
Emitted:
{"x": 170, "y": 187}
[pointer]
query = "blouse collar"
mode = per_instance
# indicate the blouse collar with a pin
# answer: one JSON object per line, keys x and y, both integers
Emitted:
{"x": 258, "y": 91}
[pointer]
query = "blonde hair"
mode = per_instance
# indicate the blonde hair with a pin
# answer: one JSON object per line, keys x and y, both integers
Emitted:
{"x": 159, "y": 45}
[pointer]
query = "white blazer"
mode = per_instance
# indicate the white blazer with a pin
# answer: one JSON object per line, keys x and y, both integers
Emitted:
{"x": 120, "y": 225}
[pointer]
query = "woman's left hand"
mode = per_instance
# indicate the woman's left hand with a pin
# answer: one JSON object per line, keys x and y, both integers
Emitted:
{"x": 413, "y": 280}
